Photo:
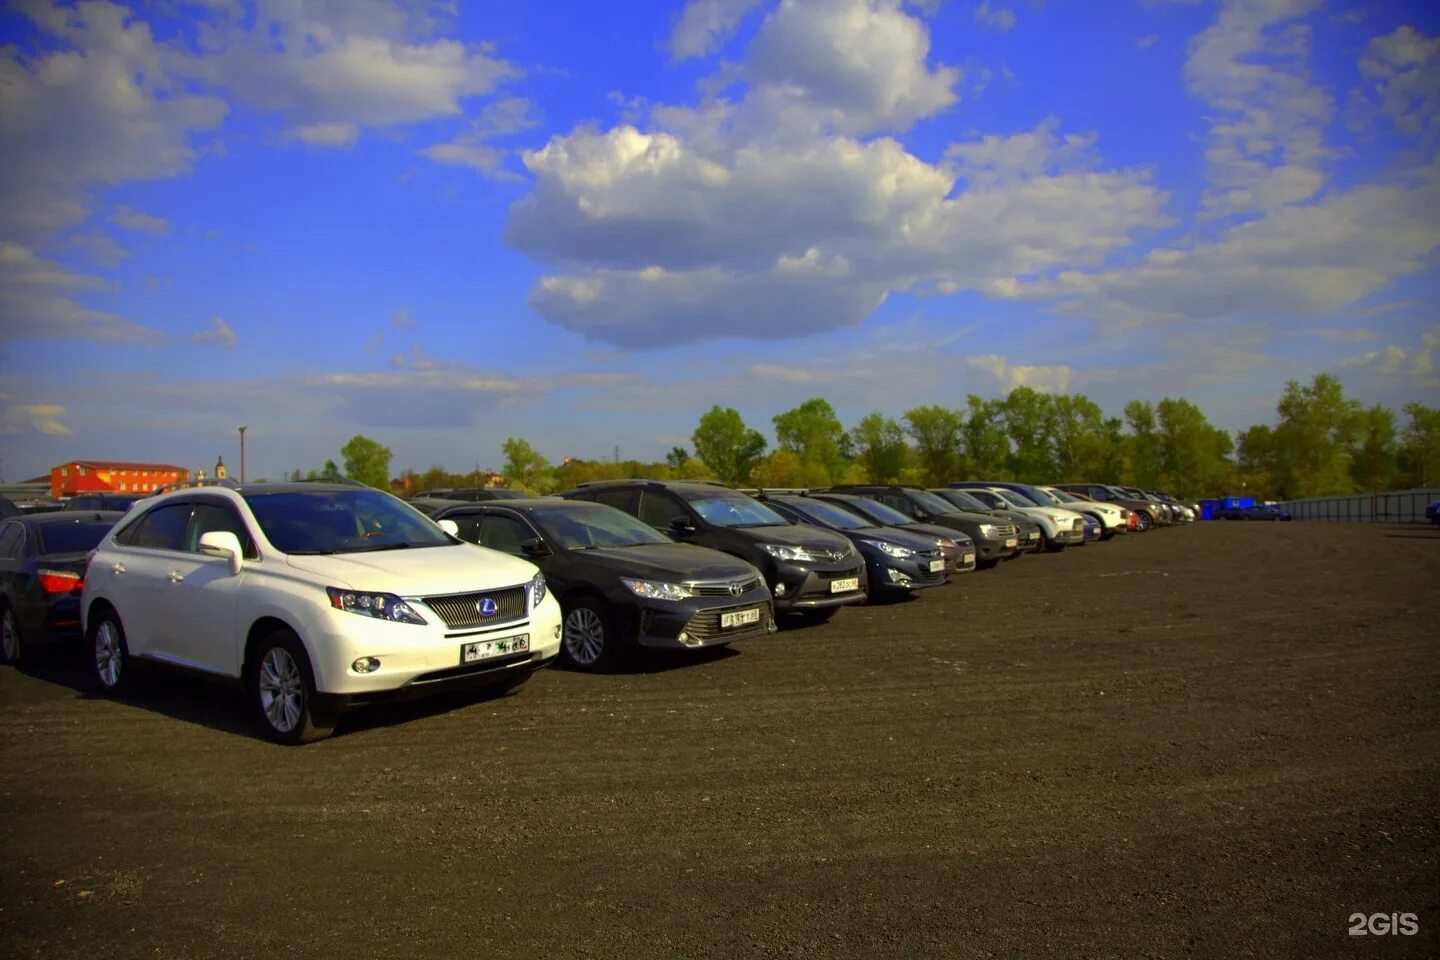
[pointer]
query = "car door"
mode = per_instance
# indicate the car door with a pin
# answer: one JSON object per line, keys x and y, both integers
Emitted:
{"x": 659, "y": 509}
{"x": 138, "y": 575}
{"x": 202, "y": 628}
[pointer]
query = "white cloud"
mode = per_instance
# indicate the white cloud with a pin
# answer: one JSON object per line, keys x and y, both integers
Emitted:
{"x": 1147, "y": 41}
{"x": 99, "y": 247}
{"x": 132, "y": 219}
{"x": 32, "y": 417}
{"x": 37, "y": 300}
{"x": 403, "y": 319}
{"x": 1008, "y": 376}
{"x": 219, "y": 333}
{"x": 704, "y": 25}
{"x": 337, "y": 133}
{"x": 1412, "y": 366}
{"x": 1265, "y": 147}
{"x": 472, "y": 147}
{"x": 1403, "y": 72}
{"x": 1001, "y": 18}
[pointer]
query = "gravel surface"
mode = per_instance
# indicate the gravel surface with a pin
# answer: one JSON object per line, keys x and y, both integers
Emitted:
{"x": 1220, "y": 740}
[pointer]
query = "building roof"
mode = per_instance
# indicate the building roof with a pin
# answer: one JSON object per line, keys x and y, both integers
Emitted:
{"x": 124, "y": 465}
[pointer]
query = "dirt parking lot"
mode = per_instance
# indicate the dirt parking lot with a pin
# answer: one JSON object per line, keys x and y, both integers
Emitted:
{"x": 1220, "y": 740}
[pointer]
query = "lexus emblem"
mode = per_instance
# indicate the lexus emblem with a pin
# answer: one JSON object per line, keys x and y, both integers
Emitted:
{"x": 736, "y": 589}
{"x": 486, "y": 607}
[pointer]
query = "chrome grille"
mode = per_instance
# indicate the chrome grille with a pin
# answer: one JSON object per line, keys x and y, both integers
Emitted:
{"x": 836, "y": 574}
{"x": 724, "y": 588}
{"x": 460, "y": 610}
{"x": 705, "y": 625}
{"x": 1006, "y": 529}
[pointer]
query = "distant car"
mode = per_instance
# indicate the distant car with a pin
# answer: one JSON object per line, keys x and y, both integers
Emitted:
{"x": 1432, "y": 512}
{"x": 1113, "y": 518}
{"x": 1145, "y": 510}
{"x": 990, "y": 535}
{"x": 1027, "y": 532}
{"x": 1059, "y": 527}
{"x": 103, "y": 501}
{"x": 41, "y": 506}
{"x": 620, "y": 582}
{"x": 42, "y": 571}
{"x": 809, "y": 571}
{"x": 471, "y": 493}
{"x": 1257, "y": 512}
{"x": 961, "y": 553}
{"x": 433, "y": 505}
{"x": 897, "y": 562}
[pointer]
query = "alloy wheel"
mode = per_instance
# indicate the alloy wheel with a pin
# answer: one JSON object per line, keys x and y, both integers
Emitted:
{"x": 109, "y": 654}
{"x": 584, "y": 636}
{"x": 282, "y": 689}
{"x": 9, "y": 638}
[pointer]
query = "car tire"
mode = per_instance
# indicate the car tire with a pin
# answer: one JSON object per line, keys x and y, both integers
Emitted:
{"x": 280, "y": 686}
{"x": 587, "y": 639}
{"x": 12, "y": 644}
{"x": 1144, "y": 522}
{"x": 110, "y": 655}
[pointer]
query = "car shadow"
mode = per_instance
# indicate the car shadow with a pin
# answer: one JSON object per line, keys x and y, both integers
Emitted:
{"x": 1410, "y": 533}
{"x": 646, "y": 660}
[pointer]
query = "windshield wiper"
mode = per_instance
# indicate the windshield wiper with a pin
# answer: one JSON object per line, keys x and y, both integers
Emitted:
{"x": 310, "y": 553}
{"x": 383, "y": 546}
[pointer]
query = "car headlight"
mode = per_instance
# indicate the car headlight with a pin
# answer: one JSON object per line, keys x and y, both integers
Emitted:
{"x": 657, "y": 590}
{"x": 989, "y": 531}
{"x": 784, "y": 551}
{"x": 537, "y": 591}
{"x": 1057, "y": 518}
{"x": 891, "y": 549}
{"x": 379, "y": 606}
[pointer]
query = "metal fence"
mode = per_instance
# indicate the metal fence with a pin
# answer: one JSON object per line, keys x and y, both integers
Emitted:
{"x": 1393, "y": 506}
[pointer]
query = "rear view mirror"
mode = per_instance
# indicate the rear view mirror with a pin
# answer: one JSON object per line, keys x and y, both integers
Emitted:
{"x": 535, "y": 547}
{"x": 450, "y": 527}
{"x": 223, "y": 543}
{"x": 681, "y": 525}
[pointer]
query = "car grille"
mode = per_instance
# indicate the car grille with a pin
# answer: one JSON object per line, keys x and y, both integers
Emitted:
{"x": 1005, "y": 530}
{"x": 1078, "y": 526}
{"x": 832, "y": 555}
{"x": 460, "y": 610}
{"x": 836, "y": 574}
{"x": 725, "y": 588}
{"x": 705, "y": 625}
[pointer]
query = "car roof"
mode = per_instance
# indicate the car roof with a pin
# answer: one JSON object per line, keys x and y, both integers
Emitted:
{"x": 53, "y": 517}
{"x": 525, "y": 503}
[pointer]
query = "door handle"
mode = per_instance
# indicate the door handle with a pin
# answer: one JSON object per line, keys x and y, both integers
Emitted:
{"x": 176, "y": 576}
{"x": 118, "y": 568}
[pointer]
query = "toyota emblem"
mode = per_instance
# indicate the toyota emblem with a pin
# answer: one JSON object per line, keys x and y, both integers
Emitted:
{"x": 736, "y": 589}
{"x": 486, "y": 607}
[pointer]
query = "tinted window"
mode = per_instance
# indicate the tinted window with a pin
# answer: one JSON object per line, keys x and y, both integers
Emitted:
{"x": 828, "y": 514}
{"x": 991, "y": 501}
{"x": 899, "y": 504}
{"x": 211, "y": 517}
{"x": 658, "y": 509}
{"x": 931, "y": 502}
{"x": 71, "y": 537}
{"x": 879, "y": 512}
{"x": 469, "y": 524}
{"x": 964, "y": 501}
{"x": 585, "y": 527}
{"x": 1014, "y": 498}
{"x": 82, "y": 503}
{"x": 162, "y": 528}
{"x": 10, "y": 538}
{"x": 505, "y": 533}
{"x": 619, "y": 499}
{"x": 341, "y": 521}
{"x": 729, "y": 510}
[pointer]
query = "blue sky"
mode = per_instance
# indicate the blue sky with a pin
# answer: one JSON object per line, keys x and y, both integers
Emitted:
{"x": 441, "y": 225}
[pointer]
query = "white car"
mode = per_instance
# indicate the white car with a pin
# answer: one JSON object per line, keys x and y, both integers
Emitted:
{"x": 314, "y": 596}
{"x": 1058, "y": 527}
{"x": 1113, "y": 518}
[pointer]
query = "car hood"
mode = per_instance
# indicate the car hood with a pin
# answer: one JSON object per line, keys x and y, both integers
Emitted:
{"x": 799, "y": 536}
{"x": 921, "y": 533}
{"x": 419, "y": 572}
{"x": 669, "y": 561}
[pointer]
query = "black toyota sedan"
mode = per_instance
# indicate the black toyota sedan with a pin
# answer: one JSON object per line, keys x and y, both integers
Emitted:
{"x": 994, "y": 540}
{"x": 620, "y": 582}
{"x": 897, "y": 561}
{"x": 42, "y": 570}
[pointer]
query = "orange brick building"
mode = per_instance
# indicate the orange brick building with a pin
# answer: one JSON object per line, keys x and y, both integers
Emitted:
{"x": 88, "y": 476}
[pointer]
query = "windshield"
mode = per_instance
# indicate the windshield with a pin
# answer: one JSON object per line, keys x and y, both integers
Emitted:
{"x": 735, "y": 511}
{"x": 342, "y": 521}
{"x": 71, "y": 537}
{"x": 1061, "y": 497}
{"x": 588, "y": 526}
{"x": 1015, "y": 499}
{"x": 931, "y": 502}
{"x": 991, "y": 501}
{"x": 828, "y": 514}
{"x": 880, "y": 513}
{"x": 964, "y": 501}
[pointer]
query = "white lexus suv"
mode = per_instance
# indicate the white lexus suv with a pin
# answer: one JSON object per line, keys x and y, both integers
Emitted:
{"x": 313, "y": 596}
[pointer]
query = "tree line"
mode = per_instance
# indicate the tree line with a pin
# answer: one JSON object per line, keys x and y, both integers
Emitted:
{"x": 1322, "y": 443}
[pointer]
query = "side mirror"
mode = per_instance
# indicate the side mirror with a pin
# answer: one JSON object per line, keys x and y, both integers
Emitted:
{"x": 679, "y": 525}
{"x": 450, "y": 527}
{"x": 535, "y": 547}
{"x": 223, "y": 543}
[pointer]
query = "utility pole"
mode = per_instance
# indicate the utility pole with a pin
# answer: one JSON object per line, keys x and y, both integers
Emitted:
{"x": 242, "y": 453}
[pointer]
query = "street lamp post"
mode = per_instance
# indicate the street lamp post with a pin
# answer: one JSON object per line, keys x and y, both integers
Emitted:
{"x": 242, "y": 453}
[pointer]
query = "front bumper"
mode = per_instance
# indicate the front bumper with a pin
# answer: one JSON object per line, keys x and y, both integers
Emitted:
{"x": 685, "y": 625}
{"x": 809, "y": 587}
{"x": 901, "y": 576}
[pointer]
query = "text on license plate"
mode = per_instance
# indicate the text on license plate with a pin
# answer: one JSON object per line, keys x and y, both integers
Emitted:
{"x": 968, "y": 558}
{"x": 1011, "y": 542}
{"x": 841, "y": 586}
{"x": 738, "y": 618}
{"x": 937, "y": 565}
{"x": 485, "y": 649}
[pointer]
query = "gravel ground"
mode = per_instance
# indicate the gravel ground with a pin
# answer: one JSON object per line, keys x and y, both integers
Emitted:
{"x": 1213, "y": 741}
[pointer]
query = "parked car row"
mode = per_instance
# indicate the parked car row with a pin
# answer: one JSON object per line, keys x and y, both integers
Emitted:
{"x": 315, "y": 597}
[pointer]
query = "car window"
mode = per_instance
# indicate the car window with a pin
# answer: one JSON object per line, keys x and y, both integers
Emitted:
{"x": 469, "y": 524}
{"x": 931, "y": 502}
{"x": 828, "y": 514}
{"x": 581, "y": 528}
{"x": 162, "y": 528}
{"x": 1015, "y": 499}
{"x": 10, "y": 540}
{"x": 991, "y": 501}
{"x": 619, "y": 499}
{"x": 341, "y": 521}
{"x": 78, "y": 537}
{"x": 898, "y": 503}
{"x": 505, "y": 533}
{"x": 658, "y": 509}
{"x": 877, "y": 512}
{"x": 729, "y": 510}
{"x": 212, "y": 517}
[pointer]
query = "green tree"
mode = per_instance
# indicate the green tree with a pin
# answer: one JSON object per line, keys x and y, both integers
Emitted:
{"x": 879, "y": 447}
{"x": 525, "y": 469}
{"x": 1257, "y": 471}
{"x": 1194, "y": 455}
{"x": 1420, "y": 446}
{"x": 984, "y": 441}
{"x": 1373, "y": 459}
{"x": 1081, "y": 441}
{"x": 1143, "y": 444}
{"x": 726, "y": 444}
{"x": 1029, "y": 417}
{"x": 677, "y": 458}
{"x": 936, "y": 432}
{"x": 814, "y": 433}
{"x": 1313, "y": 439}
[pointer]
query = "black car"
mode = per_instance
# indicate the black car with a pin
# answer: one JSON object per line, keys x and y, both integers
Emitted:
{"x": 992, "y": 535}
{"x": 877, "y": 514}
{"x": 8, "y": 508}
{"x": 471, "y": 494}
{"x": 433, "y": 505}
{"x": 103, "y": 501}
{"x": 620, "y": 582}
{"x": 808, "y": 570}
{"x": 896, "y": 561}
{"x": 42, "y": 571}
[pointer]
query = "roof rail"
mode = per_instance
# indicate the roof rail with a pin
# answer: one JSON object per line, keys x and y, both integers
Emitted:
{"x": 783, "y": 491}
{"x": 225, "y": 482}
{"x": 346, "y": 481}
{"x": 651, "y": 480}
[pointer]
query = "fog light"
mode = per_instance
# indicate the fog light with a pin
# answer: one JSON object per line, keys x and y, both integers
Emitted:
{"x": 557, "y": 631}
{"x": 895, "y": 576}
{"x": 365, "y": 665}
{"x": 779, "y": 589}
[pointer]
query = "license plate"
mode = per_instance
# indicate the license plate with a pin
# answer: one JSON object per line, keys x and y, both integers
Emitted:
{"x": 738, "y": 618}
{"x": 968, "y": 558}
{"x": 937, "y": 565}
{"x": 485, "y": 649}
{"x": 843, "y": 586}
{"x": 1012, "y": 542}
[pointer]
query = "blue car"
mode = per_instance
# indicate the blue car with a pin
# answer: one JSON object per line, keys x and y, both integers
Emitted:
{"x": 1432, "y": 512}
{"x": 1257, "y": 512}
